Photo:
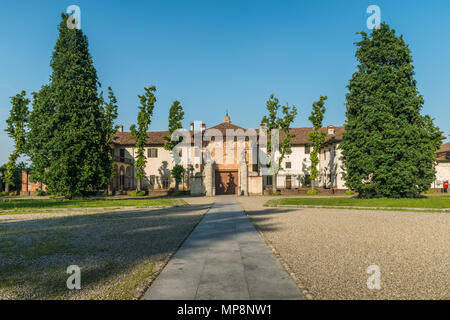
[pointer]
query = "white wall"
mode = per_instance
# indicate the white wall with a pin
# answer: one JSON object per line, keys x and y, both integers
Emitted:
{"x": 159, "y": 167}
{"x": 442, "y": 174}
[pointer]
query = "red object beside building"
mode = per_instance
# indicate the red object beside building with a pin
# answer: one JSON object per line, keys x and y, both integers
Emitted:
{"x": 28, "y": 186}
{"x": 445, "y": 184}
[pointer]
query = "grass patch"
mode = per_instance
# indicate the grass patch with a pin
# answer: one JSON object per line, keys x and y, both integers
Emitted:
{"x": 6, "y": 204}
{"x": 440, "y": 202}
{"x": 132, "y": 284}
{"x": 35, "y": 211}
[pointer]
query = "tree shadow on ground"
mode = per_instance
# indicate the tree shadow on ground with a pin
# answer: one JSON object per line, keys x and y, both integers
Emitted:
{"x": 35, "y": 253}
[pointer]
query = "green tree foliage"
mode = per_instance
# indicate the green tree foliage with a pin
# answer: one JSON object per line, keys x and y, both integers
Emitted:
{"x": 283, "y": 123}
{"x": 139, "y": 132}
{"x": 317, "y": 138}
{"x": 16, "y": 184}
{"x": 40, "y": 133}
{"x": 71, "y": 126}
{"x": 388, "y": 147}
{"x": 109, "y": 128}
{"x": 176, "y": 115}
{"x": 177, "y": 174}
{"x": 16, "y": 129}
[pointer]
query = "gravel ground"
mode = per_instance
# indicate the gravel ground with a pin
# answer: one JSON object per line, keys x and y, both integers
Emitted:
{"x": 328, "y": 251}
{"x": 119, "y": 251}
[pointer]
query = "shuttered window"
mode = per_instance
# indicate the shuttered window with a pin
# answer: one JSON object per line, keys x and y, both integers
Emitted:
{"x": 153, "y": 153}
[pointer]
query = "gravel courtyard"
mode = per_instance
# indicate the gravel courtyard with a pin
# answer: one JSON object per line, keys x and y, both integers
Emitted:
{"x": 329, "y": 250}
{"x": 119, "y": 251}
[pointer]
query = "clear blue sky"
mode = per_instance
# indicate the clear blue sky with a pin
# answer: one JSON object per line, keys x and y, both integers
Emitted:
{"x": 216, "y": 54}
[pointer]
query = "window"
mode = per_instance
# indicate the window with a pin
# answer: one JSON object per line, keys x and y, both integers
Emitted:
{"x": 288, "y": 165}
{"x": 307, "y": 149}
{"x": 152, "y": 153}
{"x": 269, "y": 180}
{"x": 255, "y": 168}
{"x": 122, "y": 155}
{"x": 324, "y": 154}
{"x": 165, "y": 183}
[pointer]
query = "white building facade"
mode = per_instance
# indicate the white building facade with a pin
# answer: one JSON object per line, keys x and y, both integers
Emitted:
{"x": 220, "y": 164}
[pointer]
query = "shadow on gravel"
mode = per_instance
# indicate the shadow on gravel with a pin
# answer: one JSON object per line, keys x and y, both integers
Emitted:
{"x": 258, "y": 217}
{"x": 34, "y": 254}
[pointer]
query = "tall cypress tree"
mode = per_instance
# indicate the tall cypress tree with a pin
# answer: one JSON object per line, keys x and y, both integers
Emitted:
{"x": 388, "y": 147}
{"x": 77, "y": 146}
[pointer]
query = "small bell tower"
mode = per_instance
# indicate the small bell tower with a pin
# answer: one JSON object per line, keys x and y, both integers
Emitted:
{"x": 227, "y": 118}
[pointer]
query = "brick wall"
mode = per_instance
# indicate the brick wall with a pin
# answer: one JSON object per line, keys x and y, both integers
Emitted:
{"x": 27, "y": 185}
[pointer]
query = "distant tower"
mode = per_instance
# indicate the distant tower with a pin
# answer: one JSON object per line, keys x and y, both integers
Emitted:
{"x": 227, "y": 118}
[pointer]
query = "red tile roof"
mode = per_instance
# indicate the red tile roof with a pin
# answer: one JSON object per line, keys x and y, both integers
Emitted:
{"x": 156, "y": 137}
{"x": 223, "y": 127}
{"x": 445, "y": 148}
{"x": 153, "y": 138}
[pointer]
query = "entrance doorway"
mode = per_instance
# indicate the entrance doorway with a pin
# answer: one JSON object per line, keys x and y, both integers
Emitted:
{"x": 288, "y": 182}
{"x": 226, "y": 182}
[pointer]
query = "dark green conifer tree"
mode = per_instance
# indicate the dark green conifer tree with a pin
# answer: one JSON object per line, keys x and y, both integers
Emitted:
{"x": 389, "y": 147}
{"x": 75, "y": 155}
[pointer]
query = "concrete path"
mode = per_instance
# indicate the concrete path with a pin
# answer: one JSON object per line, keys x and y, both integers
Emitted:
{"x": 224, "y": 258}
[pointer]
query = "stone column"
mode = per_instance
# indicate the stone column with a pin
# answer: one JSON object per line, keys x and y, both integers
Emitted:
{"x": 243, "y": 180}
{"x": 209, "y": 180}
{"x": 243, "y": 176}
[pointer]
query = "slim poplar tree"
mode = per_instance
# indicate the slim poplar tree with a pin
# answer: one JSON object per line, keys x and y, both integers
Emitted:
{"x": 139, "y": 132}
{"x": 317, "y": 138}
{"x": 176, "y": 115}
{"x": 16, "y": 126}
{"x": 282, "y": 123}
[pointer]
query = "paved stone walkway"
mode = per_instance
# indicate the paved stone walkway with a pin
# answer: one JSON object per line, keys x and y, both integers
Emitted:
{"x": 224, "y": 258}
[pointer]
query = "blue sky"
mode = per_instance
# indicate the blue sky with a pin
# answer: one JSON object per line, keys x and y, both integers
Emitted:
{"x": 212, "y": 55}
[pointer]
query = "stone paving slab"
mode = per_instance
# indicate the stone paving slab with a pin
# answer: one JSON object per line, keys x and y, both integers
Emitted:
{"x": 224, "y": 258}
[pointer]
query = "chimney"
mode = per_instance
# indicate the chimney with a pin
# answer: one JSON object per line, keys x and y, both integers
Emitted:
{"x": 192, "y": 126}
{"x": 121, "y": 128}
{"x": 331, "y": 130}
{"x": 262, "y": 126}
{"x": 203, "y": 127}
